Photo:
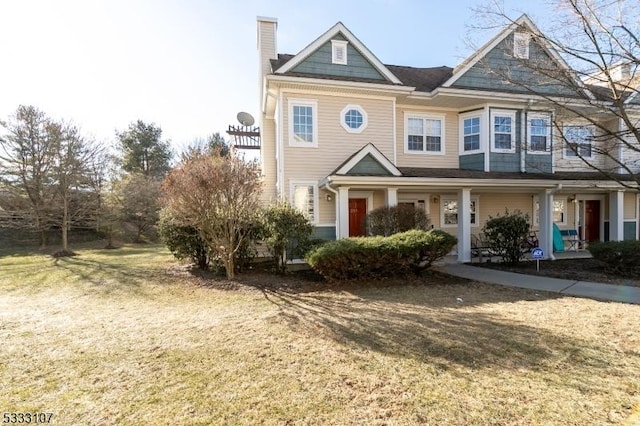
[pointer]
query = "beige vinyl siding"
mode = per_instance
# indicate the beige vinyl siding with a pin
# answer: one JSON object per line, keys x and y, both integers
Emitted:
{"x": 268, "y": 158}
{"x": 335, "y": 144}
{"x": 327, "y": 209}
{"x": 630, "y": 157}
{"x": 450, "y": 157}
{"x": 491, "y": 205}
{"x": 379, "y": 199}
{"x": 572, "y": 164}
{"x": 630, "y": 204}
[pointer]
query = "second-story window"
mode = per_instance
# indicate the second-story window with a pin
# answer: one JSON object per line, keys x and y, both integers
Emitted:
{"x": 303, "y": 127}
{"x": 579, "y": 140}
{"x": 353, "y": 119}
{"x": 471, "y": 133}
{"x": 539, "y": 133}
{"x": 503, "y": 125}
{"x": 424, "y": 134}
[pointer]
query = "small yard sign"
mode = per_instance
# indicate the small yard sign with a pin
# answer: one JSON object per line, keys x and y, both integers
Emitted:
{"x": 537, "y": 254}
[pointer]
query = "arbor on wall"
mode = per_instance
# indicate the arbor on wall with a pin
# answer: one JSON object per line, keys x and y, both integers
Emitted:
{"x": 595, "y": 96}
{"x": 218, "y": 196}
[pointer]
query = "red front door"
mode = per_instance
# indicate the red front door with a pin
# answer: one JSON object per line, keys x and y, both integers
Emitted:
{"x": 592, "y": 220}
{"x": 357, "y": 213}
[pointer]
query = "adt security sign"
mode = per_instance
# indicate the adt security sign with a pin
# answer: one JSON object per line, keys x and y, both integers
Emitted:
{"x": 537, "y": 253}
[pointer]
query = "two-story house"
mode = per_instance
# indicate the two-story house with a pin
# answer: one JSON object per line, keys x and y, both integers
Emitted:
{"x": 343, "y": 133}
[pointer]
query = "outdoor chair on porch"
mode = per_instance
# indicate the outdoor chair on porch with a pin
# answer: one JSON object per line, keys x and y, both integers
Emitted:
{"x": 571, "y": 240}
{"x": 480, "y": 247}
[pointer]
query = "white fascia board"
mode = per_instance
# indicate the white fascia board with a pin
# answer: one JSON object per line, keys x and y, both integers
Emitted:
{"x": 340, "y": 83}
{"x": 370, "y": 149}
{"x": 324, "y": 38}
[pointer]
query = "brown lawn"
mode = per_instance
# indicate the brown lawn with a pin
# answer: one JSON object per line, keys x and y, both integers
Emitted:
{"x": 128, "y": 337}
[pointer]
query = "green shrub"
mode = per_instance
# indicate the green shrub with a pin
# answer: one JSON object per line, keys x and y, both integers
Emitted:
{"x": 285, "y": 229}
{"x": 506, "y": 235}
{"x": 183, "y": 241}
{"x": 378, "y": 257}
{"x": 619, "y": 257}
{"x": 387, "y": 221}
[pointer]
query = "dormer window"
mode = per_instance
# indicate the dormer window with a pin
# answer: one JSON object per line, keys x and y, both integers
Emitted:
{"x": 339, "y": 52}
{"x": 521, "y": 45}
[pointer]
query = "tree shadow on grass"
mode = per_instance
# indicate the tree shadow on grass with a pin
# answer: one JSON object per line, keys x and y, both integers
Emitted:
{"x": 107, "y": 276}
{"x": 441, "y": 333}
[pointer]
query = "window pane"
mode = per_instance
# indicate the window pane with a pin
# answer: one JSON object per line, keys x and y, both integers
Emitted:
{"x": 433, "y": 144}
{"x": 558, "y": 210}
{"x": 502, "y": 124}
{"x": 415, "y": 126}
{"x": 450, "y": 209}
{"x": 353, "y": 118}
{"x": 416, "y": 143}
{"x": 471, "y": 142}
{"x": 502, "y": 141}
{"x": 303, "y": 200}
{"x": 538, "y": 143}
{"x": 433, "y": 127}
{"x": 303, "y": 123}
{"x": 579, "y": 140}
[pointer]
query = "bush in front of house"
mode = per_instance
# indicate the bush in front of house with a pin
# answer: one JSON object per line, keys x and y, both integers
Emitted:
{"x": 387, "y": 221}
{"x": 183, "y": 241}
{"x": 378, "y": 256}
{"x": 620, "y": 257}
{"x": 506, "y": 235}
{"x": 285, "y": 229}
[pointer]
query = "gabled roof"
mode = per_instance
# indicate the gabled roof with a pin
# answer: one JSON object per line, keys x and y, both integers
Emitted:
{"x": 522, "y": 22}
{"x": 423, "y": 79}
{"x": 338, "y": 28}
{"x": 367, "y": 152}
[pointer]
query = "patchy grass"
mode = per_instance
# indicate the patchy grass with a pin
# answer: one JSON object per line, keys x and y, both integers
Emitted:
{"x": 126, "y": 337}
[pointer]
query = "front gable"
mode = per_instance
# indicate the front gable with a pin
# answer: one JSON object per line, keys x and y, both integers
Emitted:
{"x": 316, "y": 59}
{"x": 320, "y": 62}
{"x": 497, "y": 67}
{"x": 368, "y": 161}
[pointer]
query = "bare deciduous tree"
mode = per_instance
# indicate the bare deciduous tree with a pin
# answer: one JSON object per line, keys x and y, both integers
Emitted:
{"x": 219, "y": 196}
{"x": 595, "y": 96}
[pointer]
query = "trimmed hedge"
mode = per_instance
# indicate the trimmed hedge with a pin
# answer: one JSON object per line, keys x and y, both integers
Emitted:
{"x": 379, "y": 257}
{"x": 619, "y": 257}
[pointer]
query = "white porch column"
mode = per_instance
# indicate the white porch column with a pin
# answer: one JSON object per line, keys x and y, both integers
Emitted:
{"x": 545, "y": 220}
{"x": 343, "y": 212}
{"x": 392, "y": 197}
{"x": 464, "y": 225}
{"x": 616, "y": 216}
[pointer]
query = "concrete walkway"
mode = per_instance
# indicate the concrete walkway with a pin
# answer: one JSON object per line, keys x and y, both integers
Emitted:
{"x": 607, "y": 292}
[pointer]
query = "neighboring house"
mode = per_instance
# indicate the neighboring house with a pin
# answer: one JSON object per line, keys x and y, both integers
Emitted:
{"x": 342, "y": 133}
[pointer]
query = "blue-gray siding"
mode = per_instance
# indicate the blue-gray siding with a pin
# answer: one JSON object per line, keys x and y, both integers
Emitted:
{"x": 472, "y": 161}
{"x": 319, "y": 62}
{"x": 537, "y": 163}
{"x": 501, "y": 162}
{"x": 369, "y": 166}
{"x": 324, "y": 232}
{"x": 630, "y": 232}
{"x": 499, "y": 70}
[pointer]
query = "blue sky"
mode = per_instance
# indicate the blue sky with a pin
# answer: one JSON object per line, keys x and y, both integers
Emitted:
{"x": 191, "y": 65}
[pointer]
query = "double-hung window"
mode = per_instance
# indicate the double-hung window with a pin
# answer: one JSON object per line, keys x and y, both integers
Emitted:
{"x": 424, "y": 134}
{"x": 304, "y": 199}
{"x": 449, "y": 212}
{"x": 539, "y": 133}
{"x": 503, "y": 131}
{"x": 303, "y": 123}
{"x": 470, "y": 130}
{"x": 579, "y": 140}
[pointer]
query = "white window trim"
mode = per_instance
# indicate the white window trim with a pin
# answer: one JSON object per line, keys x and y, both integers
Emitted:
{"x": 293, "y": 184}
{"x": 503, "y": 113}
{"x": 565, "y": 143}
{"x": 523, "y": 38}
{"x": 475, "y": 114}
{"x": 314, "y": 113}
{"x": 538, "y": 115}
{"x": 427, "y": 116}
{"x": 535, "y": 211}
{"x": 455, "y": 198}
{"x": 335, "y": 45}
{"x": 344, "y": 124}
